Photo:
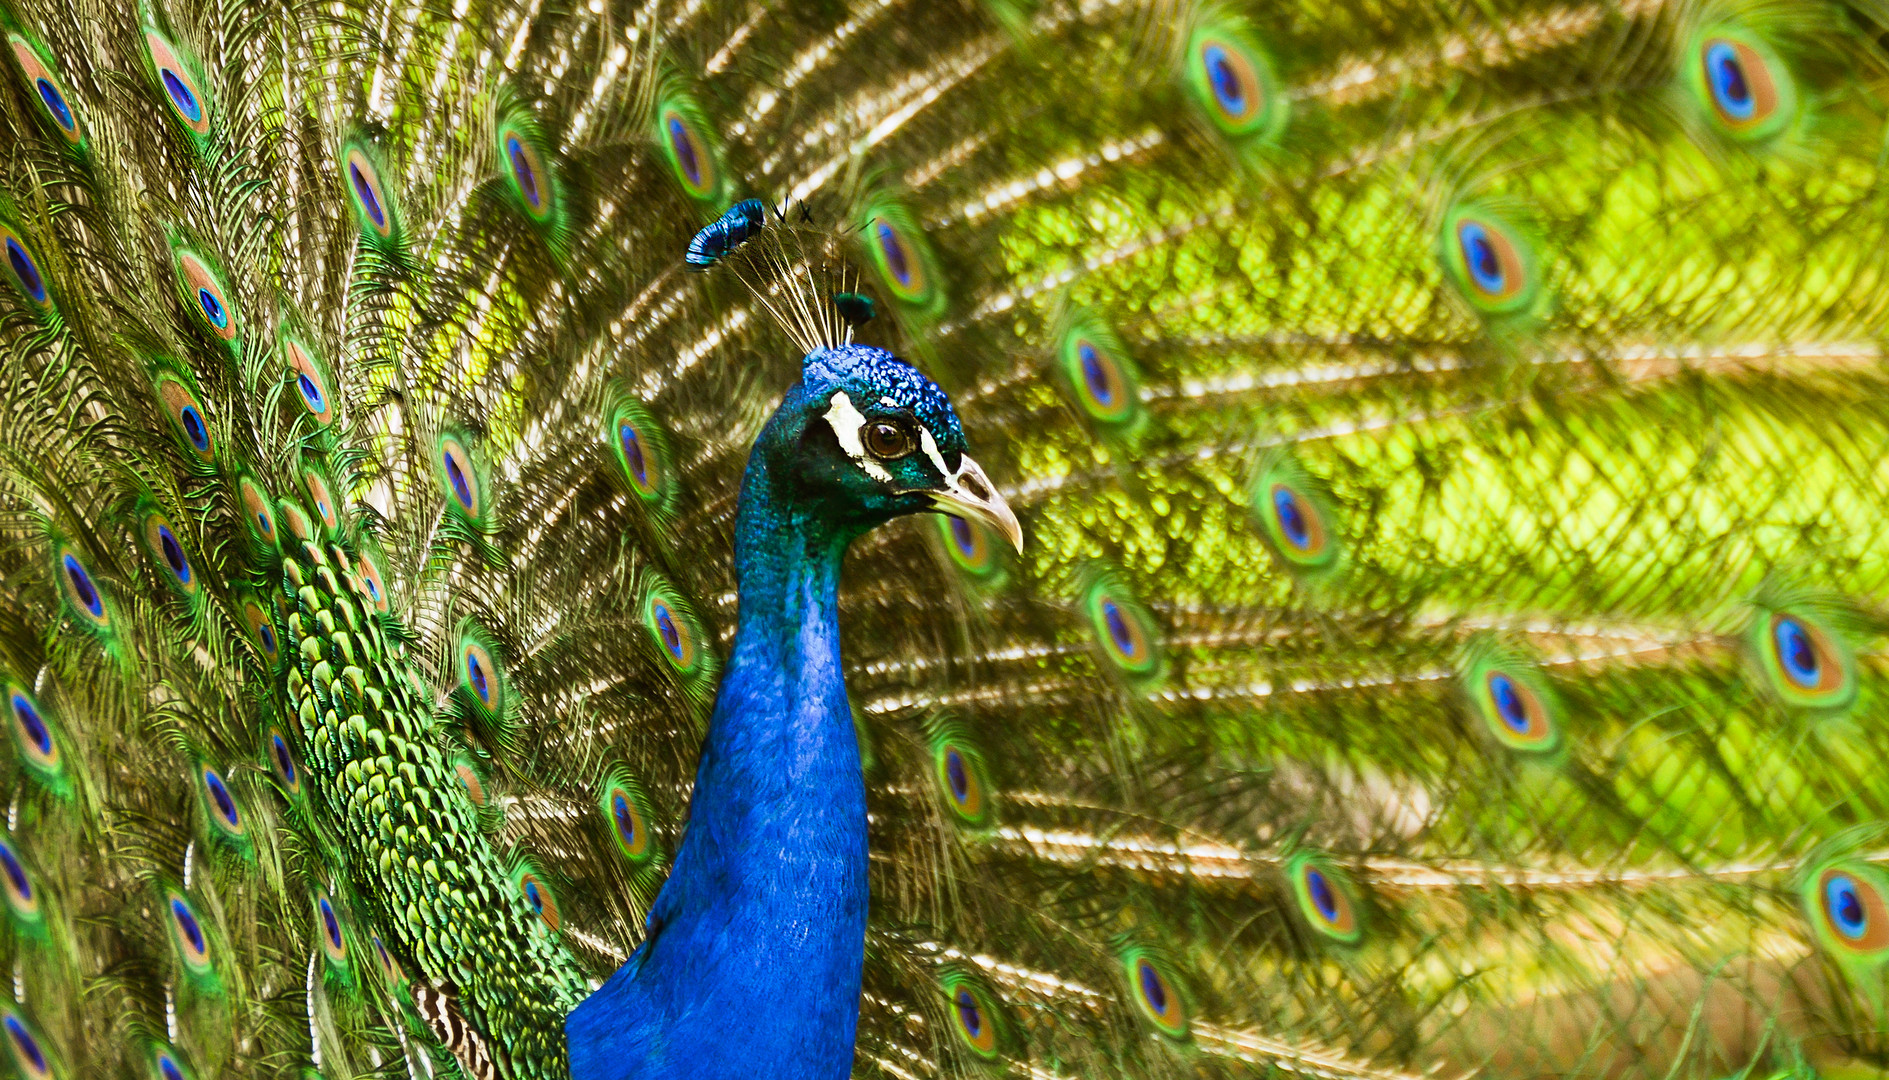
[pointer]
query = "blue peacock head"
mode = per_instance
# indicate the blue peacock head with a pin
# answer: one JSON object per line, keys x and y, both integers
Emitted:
{"x": 863, "y": 438}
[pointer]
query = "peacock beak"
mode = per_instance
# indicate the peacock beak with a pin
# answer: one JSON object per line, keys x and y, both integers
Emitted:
{"x": 969, "y": 494}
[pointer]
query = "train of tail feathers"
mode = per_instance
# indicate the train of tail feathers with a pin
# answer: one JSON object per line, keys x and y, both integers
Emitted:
{"x": 923, "y": 539}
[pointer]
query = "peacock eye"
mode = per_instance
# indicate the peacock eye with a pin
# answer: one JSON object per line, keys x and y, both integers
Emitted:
{"x": 887, "y": 440}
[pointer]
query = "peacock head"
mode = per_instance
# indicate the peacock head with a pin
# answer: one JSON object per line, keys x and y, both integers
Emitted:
{"x": 864, "y": 438}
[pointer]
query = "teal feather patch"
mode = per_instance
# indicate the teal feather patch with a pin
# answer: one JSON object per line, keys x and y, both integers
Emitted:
{"x": 534, "y": 184}
{"x": 1798, "y": 646}
{"x": 363, "y": 173}
{"x": 981, "y": 557}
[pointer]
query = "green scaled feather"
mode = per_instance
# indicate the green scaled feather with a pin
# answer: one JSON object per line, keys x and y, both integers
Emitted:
{"x": 687, "y": 141}
{"x": 1515, "y": 708}
{"x": 1295, "y": 515}
{"x": 960, "y": 772}
{"x": 58, "y": 110}
{"x": 1230, "y": 81}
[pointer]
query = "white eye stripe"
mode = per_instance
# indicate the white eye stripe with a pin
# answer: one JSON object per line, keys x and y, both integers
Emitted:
{"x": 930, "y": 446}
{"x": 846, "y": 422}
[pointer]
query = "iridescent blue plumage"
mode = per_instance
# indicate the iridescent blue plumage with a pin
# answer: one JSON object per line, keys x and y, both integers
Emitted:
{"x": 767, "y": 900}
{"x": 726, "y": 233}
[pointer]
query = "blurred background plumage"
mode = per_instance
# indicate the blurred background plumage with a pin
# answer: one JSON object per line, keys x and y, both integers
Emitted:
{"x": 1449, "y": 434}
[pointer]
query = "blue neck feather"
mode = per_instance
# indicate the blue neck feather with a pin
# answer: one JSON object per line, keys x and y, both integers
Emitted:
{"x": 753, "y": 964}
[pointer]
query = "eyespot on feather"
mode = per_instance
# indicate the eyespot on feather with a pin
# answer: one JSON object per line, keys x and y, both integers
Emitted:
{"x": 334, "y": 943}
{"x": 35, "y": 735}
{"x": 321, "y": 497}
{"x": 470, "y": 779}
{"x": 1232, "y": 82}
{"x": 262, "y": 629}
{"x": 1325, "y": 898}
{"x": 1155, "y": 992}
{"x": 23, "y": 1046}
{"x": 1490, "y": 262}
{"x": 48, "y": 89}
{"x": 538, "y": 896}
{"x": 21, "y": 895}
{"x": 1805, "y": 662}
{"x": 167, "y": 553}
{"x": 373, "y": 582}
{"x": 282, "y": 763}
{"x": 309, "y": 382}
{"x": 480, "y": 675}
{"x": 81, "y": 591}
{"x": 187, "y": 932}
{"x": 258, "y": 512}
{"x": 962, "y": 780}
{"x": 210, "y": 300}
{"x": 364, "y": 189}
{"x": 976, "y": 1015}
{"x": 621, "y": 806}
{"x": 24, "y": 269}
{"x": 1122, "y": 629}
{"x": 968, "y": 543}
{"x": 187, "y": 416}
{"x": 178, "y": 84}
{"x": 219, "y": 804}
{"x": 459, "y": 479}
{"x": 690, "y": 156}
{"x": 1742, "y": 86}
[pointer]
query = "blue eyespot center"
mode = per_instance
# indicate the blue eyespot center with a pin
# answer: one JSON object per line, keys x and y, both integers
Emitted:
{"x": 1095, "y": 376}
{"x": 329, "y": 924}
{"x": 24, "y": 1042}
{"x": 893, "y": 250}
{"x": 173, "y": 554}
{"x": 1730, "y": 86}
{"x": 522, "y": 172}
{"x": 187, "y": 923}
{"x": 1480, "y": 256}
{"x": 364, "y": 191}
{"x": 194, "y": 428}
{"x": 268, "y": 638}
{"x": 969, "y": 1014}
{"x": 220, "y": 797}
{"x": 311, "y": 394}
{"x": 17, "y": 880}
{"x": 462, "y": 489}
{"x": 475, "y": 673}
{"x": 213, "y": 308}
{"x": 682, "y": 141}
{"x": 373, "y": 589}
{"x": 633, "y": 453}
{"x": 666, "y": 628}
{"x": 1153, "y": 988}
{"x": 25, "y": 271}
{"x": 82, "y": 588}
{"x": 1225, "y": 80}
{"x": 963, "y": 536}
{"x": 1323, "y": 899}
{"x": 625, "y": 819}
{"x": 284, "y": 760}
{"x": 533, "y": 896}
{"x": 169, "y": 1068}
{"x": 1119, "y": 631}
{"x": 55, "y": 103}
{"x": 1800, "y": 661}
{"x": 1292, "y": 523}
{"x": 1846, "y": 908}
{"x": 31, "y": 724}
{"x": 958, "y": 777}
{"x": 1508, "y": 703}
{"x": 181, "y": 95}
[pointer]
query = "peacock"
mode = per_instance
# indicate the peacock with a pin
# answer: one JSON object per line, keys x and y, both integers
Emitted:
{"x": 944, "y": 539}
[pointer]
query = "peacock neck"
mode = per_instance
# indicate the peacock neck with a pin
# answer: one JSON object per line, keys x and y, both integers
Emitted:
{"x": 757, "y": 939}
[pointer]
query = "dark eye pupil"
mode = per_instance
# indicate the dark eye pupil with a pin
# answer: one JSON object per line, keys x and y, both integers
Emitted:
{"x": 885, "y": 440}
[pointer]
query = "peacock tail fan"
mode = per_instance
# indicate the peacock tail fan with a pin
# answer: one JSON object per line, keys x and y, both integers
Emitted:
{"x": 1412, "y": 411}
